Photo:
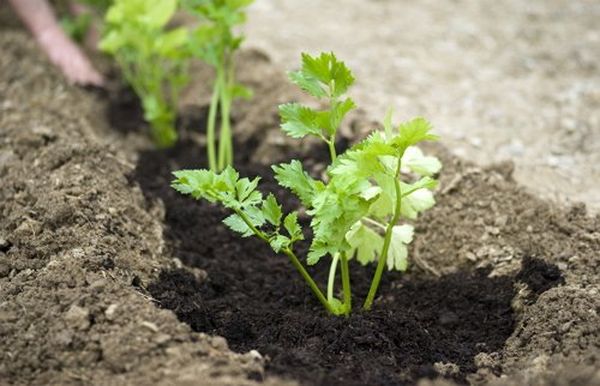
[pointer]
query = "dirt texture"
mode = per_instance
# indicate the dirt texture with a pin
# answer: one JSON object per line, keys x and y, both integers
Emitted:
{"x": 108, "y": 277}
{"x": 75, "y": 240}
{"x": 501, "y": 80}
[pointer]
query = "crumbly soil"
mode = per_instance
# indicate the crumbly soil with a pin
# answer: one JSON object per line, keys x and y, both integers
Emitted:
{"x": 108, "y": 277}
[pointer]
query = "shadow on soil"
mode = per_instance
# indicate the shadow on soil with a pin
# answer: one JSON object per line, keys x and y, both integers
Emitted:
{"x": 420, "y": 326}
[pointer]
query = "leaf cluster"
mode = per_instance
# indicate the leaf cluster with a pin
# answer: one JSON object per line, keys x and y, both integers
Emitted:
{"x": 327, "y": 79}
{"x": 355, "y": 208}
{"x": 253, "y": 213}
{"x": 152, "y": 56}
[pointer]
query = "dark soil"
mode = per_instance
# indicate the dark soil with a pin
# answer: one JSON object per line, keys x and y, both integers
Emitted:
{"x": 421, "y": 325}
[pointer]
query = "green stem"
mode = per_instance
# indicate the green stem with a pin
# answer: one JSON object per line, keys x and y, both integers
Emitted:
{"x": 309, "y": 280}
{"x": 331, "y": 144}
{"x": 225, "y": 139}
{"x": 346, "y": 284}
{"x": 295, "y": 262}
{"x": 210, "y": 130}
{"x": 331, "y": 280}
{"x": 225, "y": 133}
{"x": 374, "y": 222}
{"x": 386, "y": 242}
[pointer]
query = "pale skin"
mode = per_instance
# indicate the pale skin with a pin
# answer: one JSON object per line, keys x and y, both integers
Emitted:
{"x": 39, "y": 18}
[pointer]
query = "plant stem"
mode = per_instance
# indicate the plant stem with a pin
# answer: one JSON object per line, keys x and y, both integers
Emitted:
{"x": 374, "y": 222}
{"x": 346, "y": 284}
{"x": 225, "y": 134}
{"x": 386, "y": 242}
{"x": 225, "y": 140}
{"x": 210, "y": 129}
{"x": 331, "y": 145}
{"x": 331, "y": 281}
{"x": 295, "y": 262}
{"x": 309, "y": 280}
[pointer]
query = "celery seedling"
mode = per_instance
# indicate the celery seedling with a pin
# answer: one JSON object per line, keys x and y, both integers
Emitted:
{"x": 355, "y": 210}
{"x": 152, "y": 59}
{"x": 215, "y": 42}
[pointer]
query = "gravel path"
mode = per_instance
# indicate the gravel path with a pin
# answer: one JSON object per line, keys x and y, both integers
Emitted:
{"x": 499, "y": 79}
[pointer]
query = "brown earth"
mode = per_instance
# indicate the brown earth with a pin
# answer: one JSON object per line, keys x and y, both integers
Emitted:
{"x": 82, "y": 242}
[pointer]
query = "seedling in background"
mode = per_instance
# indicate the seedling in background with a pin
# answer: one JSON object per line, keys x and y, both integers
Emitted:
{"x": 215, "y": 42}
{"x": 355, "y": 210}
{"x": 153, "y": 59}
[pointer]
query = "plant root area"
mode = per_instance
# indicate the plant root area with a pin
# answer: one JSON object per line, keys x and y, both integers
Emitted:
{"x": 110, "y": 277}
{"x": 421, "y": 325}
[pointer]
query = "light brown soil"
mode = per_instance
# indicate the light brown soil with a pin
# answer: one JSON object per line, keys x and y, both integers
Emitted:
{"x": 501, "y": 80}
{"x": 78, "y": 243}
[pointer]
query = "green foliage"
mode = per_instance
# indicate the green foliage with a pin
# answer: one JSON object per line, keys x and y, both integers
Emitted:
{"x": 152, "y": 57}
{"x": 215, "y": 42}
{"x": 253, "y": 213}
{"x": 325, "y": 78}
{"x": 355, "y": 209}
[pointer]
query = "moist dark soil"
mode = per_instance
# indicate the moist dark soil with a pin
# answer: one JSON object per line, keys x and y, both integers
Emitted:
{"x": 421, "y": 325}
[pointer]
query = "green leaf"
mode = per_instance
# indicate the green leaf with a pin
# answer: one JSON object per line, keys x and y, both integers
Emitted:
{"x": 197, "y": 183}
{"x": 279, "y": 242}
{"x": 365, "y": 243}
{"x": 272, "y": 210}
{"x": 293, "y": 177}
{"x": 414, "y": 160}
{"x": 329, "y": 71}
{"x": 416, "y": 202}
{"x": 338, "y": 112}
{"x": 423, "y": 183}
{"x": 157, "y": 13}
{"x": 323, "y": 75}
{"x": 293, "y": 227}
{"x": 246, "y": 191}
{"x": 298, "y": 121}
{"x": 241, "y": 91}
{"x": 402, "y": 235}
{"x": 412, "y": 132}
{"x": 236, "y": 224}
{"x": 315, "y": 253}
{"x": 307, "y": 83}
{"x": 170, "y": 43}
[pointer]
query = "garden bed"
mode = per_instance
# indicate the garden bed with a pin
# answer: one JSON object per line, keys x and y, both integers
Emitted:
{"x": 108, "y": 276}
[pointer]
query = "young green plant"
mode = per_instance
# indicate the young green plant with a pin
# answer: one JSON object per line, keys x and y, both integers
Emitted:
{"x": 215, "y": 42}
{"x": 354, "y": 210}
{"x": 153, "y": 59}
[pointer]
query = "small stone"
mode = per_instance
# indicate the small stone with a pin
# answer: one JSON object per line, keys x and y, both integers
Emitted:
{"x": 162, "y": 338}
{"x": 77, "y": 317}
{"x": 150, "y": 326}
{"x": 529, "y": 229}
{"x": 255, "y": 355}
{"x": 219, "y": 343}
{"x": 566, "y": 326}
{"x": 98, "y": 285}
{"x": 111, "y": 311}
{"x": 562, "y": 266}
{"x": 501, "y": 221}
{"x": 484, "y": 360}
{"x": 446, "y": 369}
{"x": 471, "y": 256}
{"x": 493, "y": 231}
